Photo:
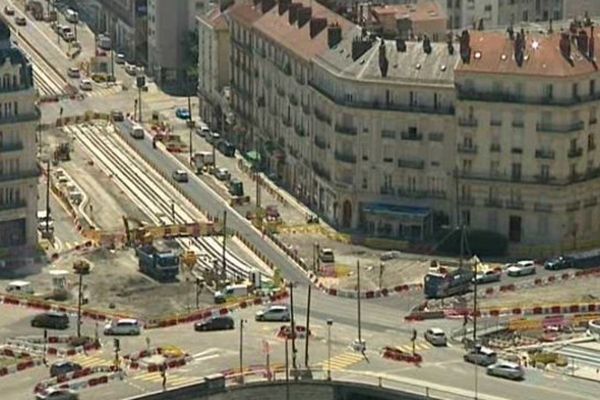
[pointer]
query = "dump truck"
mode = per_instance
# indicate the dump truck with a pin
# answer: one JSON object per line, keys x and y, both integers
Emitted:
{"x": 158, "y": 261}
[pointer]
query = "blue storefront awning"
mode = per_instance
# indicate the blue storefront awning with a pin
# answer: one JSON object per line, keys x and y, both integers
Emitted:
{"x": 396, "y": 211}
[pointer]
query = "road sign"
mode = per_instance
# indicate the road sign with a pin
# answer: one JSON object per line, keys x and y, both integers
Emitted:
{"x": 266, "y": 347}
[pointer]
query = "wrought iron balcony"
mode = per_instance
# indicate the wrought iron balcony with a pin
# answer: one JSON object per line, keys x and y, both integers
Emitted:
{"x": 347, "y": 158}
{"x": 560, "y": 128}
{"x": 346, "y": 130}
{"x": 8, "y": 147}
{"x": 466, "y": 148}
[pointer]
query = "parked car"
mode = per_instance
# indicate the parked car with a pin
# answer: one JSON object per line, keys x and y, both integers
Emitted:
{"x": 73, "y": 72}
{"x": 63, "y": 367}
{"x": 326, "y": 255}
{"x": 202, "y": 130}
{"x": 8, "y": 10}
{"x": 560, "y": 262}
{"x": 221, "y": 322}
{"x": 481, "y": 356}
{"x": 505, "y": 369}
{"x": 120, "y": 58}
{"x": 521, "y": 268}
{"x": 488, "y": 276}
{"x": 436, "y": 337}
{"x": 213, "y": 137}
{"x": 182, "y": 113}
{"x": 117, "y": 116}
{"x": 180, "y": 175}
{"x": 85, "y": 84}
{"x": 222, "y": 174}
{"x": 124, "y": 326}
{"x": 57, "y": 394}
{"x": 51, "y": 320}
{"x": 390, "y": 255}
{"x": 274, "y": 313}
{"x": 20, "y": 287}
{"x": 20, "y": 20}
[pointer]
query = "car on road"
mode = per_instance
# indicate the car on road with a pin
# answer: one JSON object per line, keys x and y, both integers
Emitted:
{"x": 20, "y": 287}
{"x": 279, "y": 313}
{"x": 222, "y": 174}
{"x": 117, "y": 116}
{"x": 481, "y": 356}
{"x": 202, "y": 130}
{"x": 180, "y": 175}
{"x": 436, "y": 337}
{"x": 506, "y": 369}
{"x": 120, "y": 58}
{"x": 326, "y": 255}
{"x": 560, "y": 262}
{"x": 57, "y": 394}
{"x": 8, "y": 10}
{"x": 73, "y": 72}
{"x": 63, "y": 367}
{"x": 488, "y": 276}
{"x": 221, "y": 322}
{"x": 182, "y": 113}
{"x": 85, "y": 84}
{"x": 390, "y": 255}
{"x": 123, "y": 326}
{"x": 521, "y": 268}
{"x": 213, "y": 137}
{"x": 20, "y": 20}
{"x": 51, "y": 320}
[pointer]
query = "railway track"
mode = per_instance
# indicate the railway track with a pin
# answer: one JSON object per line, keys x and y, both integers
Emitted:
{"x": 149, "y": 193}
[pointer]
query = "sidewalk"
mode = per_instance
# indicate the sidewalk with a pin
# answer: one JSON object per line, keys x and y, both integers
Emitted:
{"x": 581, "y": 372}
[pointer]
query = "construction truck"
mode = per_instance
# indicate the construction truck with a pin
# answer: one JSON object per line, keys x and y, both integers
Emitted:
{"x": 62, "y": 152}
{"x": 202, "y": 160}
{"x": 158, "y": 261}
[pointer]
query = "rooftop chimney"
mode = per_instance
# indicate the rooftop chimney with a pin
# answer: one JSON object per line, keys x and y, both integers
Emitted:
{"x": 565, "y": 45}
{"x": 383, "y": 61}
{"x": 427, "y": 45}
{"x": 317, "y": 25}
{"x": 519, "y": 46}
{"x": 400, "y": 44}
{"x": 582, "y": 42}
{"x": 284, "y": 5}
{"x": 293, "y": 12}
{"x": 591, "y": 54}
{"x": 334, "y": 34}
{"x": 450, "y": 43}
{"x": 511, "y": 32}
{"x": 267, "y": 5}
{"x": 360, "y": 45}
{"x": 304, "y": 14}
{"x": 465, "y": 46}
{"x": 550, "y": 30}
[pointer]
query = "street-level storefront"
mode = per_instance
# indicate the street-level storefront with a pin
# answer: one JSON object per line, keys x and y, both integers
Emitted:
{"x": 396, "y": 221}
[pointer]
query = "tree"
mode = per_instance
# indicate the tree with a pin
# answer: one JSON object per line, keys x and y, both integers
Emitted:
{"x": 190, "y": 57}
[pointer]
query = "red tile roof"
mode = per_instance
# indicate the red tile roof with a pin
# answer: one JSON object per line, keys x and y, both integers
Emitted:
{"x": 422, "y": 11}
{"x": 245, "y": 12}
{"x": 493, "y": 52}
{"x": 216, "y": 18}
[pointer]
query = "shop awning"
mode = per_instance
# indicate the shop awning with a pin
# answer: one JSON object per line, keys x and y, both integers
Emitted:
{"x": 397, "y": 211}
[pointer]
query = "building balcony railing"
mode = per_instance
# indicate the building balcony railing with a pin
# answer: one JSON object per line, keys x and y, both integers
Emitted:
{"x": 515, "y": 204}
{"x": 420, "y": 194}
{"x": 495, "y": 148}
{"x": 560, "y": 128}
{"x": 411, "y": 136}
{"x": 574, "y": 206}
{"x": 467, "y": 122}
{"x": 14, "y": 205}
{"x": 293, "y": 99}
{"x": 544, "y": 154}
{"x": 388, "y": 134}
{"x": 467, "y": 200}
{"x": 495, "y": 122}
{"x": 347, "y": 158}
{"x": 34, "y": 115}
{"x": 518, "y": 124}
{"x": 542, "y": 207}
{"x": 286, "y": 121}
{"x": 590, "y": 202}
{"x": 8, "y": 147}
{"x": 346, "y": 130}
{"x": 321, "y": 116}
{"x": 466, "y": 148}
{"x": 493, "y": 202}
{"x": 320, "y": 143}
{"x": 321, "y": 172}
{"x": 305, "y": 109}
{"x": 413, "y": 164}
{"x": 501, "y": 97}
{"x": 436, "y": 137}
{"x": 386, "y": 191}
{"x": 576, "y": 152}
{"x": 386, "y": 106}
{"x": 299, "y": 130}
{"x": 20, "y": 175}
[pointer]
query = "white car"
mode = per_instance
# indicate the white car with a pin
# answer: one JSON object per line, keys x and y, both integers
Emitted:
{"x": 222, "y": 174}
{"x": 124, "y": 326}
{"x": 274, "y": 313}
{"x": 180, "y": 175}
{"x": 521, "y": 268}
{"x": 436, "y": 337}
{"x": 57, "y": 394}
{"x": 85, "y": 84}
{"x": 120, "y": 58}
{"x": 480, "y": 355}
{"x": 505, "y": 369}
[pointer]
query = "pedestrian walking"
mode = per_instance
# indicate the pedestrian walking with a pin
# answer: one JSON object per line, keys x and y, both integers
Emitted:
{"x": 163, "y": 374}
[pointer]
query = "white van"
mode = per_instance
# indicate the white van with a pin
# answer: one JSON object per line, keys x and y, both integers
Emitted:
{"x": 137, "y": 131}
{"x": 125, "y": 326}
{"x": 19, "y": 287}
{"x": 85, "y": 84}
{"x": 239, "y": 290}
{"x": 326, "y": 255}
{"x": 72, "y": 16}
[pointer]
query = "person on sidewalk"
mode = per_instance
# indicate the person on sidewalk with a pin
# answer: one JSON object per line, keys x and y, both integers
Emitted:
{"x": 163, "y": 374}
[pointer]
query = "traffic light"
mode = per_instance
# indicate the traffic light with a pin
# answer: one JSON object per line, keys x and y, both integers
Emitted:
{"x": 117, "y": 344}
{"x": 414, "y": 335}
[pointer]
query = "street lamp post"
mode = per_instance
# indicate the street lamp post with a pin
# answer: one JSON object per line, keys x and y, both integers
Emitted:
{"x": 329, "y": 323}
{"x": 242, "y": 321}
{"x": 79, "y": 301}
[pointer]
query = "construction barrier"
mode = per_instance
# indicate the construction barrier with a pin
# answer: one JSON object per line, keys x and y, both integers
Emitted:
{"x": 78, "y": 385}
{"x": 60, "y": 379}
{"x": 395, "y": 354}
{"x": 20, "y": 366}
{"x": 285, "y": 332}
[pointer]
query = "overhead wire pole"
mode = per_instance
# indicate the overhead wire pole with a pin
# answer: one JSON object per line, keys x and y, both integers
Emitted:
{"x": 224, "y": 272}
{"x": 358, "y": 302}
{"x": 293, "y": 327}
{"x": 48, "y": 197}
{"x": 307, "y": 328}
{"x": 79, "y": 300}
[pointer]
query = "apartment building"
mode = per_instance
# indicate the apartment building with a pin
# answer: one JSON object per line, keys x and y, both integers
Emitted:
{"x": 19, "y": 118}
{"x": 418, "y": 19}
{"x": 125, "y": 21}
{"x": 213, "y": 63}
{"x": 394, "y": 138}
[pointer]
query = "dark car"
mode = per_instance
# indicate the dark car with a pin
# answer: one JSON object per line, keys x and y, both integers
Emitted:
{"x": 51, "y": 320}
{"x": 21, "y": 21}
{"x": 8, "y": 10}
{"x": 63, "y": 367}
{"x": 215, "y": 324}
{"x": 117, "y": 116}
{"x": 560, "y": 262}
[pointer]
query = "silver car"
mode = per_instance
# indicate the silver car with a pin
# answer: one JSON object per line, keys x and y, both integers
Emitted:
{"x": 436, "y": 337}
{"x": 508, "y": 370}
{"x": 278, "y": 313}
{"x": 480, "y": 355}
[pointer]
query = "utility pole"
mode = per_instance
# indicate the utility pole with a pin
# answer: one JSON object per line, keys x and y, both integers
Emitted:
{"x": 257, "y": 177}
{"x": 191, "y": 123}
{"x": 293, "y": 326}
{"x": 173, "y": 211}
{"x": 287, "y": 372}
{"x": 112, "y": 51}
{"x": 329, "y": 323}
{"x": 358, "y": 301}
{"x": 198, "y": 290}
{"x": 224, "y": 272}
{"x": 117, "y": 346}
{"x": 79, "y": 300}
{"x": 48, "y": 197}
{"x": 242, "y": 350}
{"x": 307, "y": 329}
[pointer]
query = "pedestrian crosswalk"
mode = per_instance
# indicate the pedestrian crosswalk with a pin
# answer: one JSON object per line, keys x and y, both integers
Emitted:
{"x": 91, "y": 361}
{"x": 173, "y": 378}
{"x": 341, "y": 361}
{"x": 420, "y": 345}
{"x": 99, "y": 91}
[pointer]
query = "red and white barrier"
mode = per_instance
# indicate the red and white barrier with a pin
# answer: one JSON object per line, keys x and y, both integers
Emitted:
{"x": 61, "y": 379}
{"x": 17, "y": 367}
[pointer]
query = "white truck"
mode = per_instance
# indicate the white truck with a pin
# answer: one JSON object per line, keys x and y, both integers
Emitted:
{"x": 239, "y": 290}
{"x": 203, "y": 159}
